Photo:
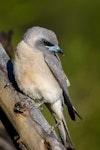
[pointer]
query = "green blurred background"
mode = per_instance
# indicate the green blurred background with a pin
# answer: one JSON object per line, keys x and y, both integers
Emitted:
{"x": 77, "y": 25}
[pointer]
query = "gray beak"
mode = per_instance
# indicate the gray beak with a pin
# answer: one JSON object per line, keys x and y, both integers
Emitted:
{"x": 56, "y": 49}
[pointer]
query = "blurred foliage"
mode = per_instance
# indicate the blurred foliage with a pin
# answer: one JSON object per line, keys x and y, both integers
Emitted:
{"x": 77, "y": 25}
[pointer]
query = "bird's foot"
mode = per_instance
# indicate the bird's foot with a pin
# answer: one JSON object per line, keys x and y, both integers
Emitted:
{"x": 38, "y": 105}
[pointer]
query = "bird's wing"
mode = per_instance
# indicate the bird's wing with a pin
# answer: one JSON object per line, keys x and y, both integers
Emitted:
{"x": 55, "y": 66}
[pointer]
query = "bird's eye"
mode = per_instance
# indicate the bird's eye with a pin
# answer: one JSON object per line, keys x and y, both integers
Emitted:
{"x": 46, "y": 43}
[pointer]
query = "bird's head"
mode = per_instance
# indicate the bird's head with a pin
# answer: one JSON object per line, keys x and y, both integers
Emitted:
{"x": 42, "y": 39}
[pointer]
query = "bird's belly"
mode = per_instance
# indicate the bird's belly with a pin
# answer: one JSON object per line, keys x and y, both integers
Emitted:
{"x": 39, "y": 86}
{"x": 42, "y": 89}
{"x": 49, "y": 88}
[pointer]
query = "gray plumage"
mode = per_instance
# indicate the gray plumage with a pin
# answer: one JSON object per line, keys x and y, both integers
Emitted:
{"x": 39, "y": 74}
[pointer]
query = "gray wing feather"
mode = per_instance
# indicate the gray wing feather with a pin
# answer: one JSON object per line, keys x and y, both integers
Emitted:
{"x": 55, "y": 66}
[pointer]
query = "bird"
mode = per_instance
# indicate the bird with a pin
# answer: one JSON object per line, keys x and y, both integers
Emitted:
{"x": 39, "y": 74}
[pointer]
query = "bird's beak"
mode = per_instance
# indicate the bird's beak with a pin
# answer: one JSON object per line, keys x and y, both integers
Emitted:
{"x": 56, "y": 49}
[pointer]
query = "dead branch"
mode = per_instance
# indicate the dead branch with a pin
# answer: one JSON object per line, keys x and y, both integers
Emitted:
{"x": 5, "y": 40}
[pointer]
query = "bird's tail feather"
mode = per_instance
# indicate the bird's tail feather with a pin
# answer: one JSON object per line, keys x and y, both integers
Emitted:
{"x": 56, "y": 110}
{"x": 71, "y": 109}
{"x": 64, "y": 134}
{"x": 77, "y": 113}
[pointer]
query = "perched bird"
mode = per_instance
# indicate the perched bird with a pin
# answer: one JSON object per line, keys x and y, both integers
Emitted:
{"x": 39, "y": 74}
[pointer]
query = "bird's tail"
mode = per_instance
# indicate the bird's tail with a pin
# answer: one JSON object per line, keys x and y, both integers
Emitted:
{"x": 64, "y": 133}
{"x": 57, "y": 111}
